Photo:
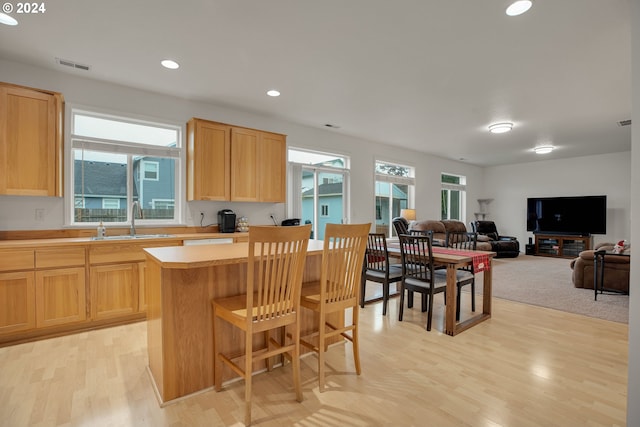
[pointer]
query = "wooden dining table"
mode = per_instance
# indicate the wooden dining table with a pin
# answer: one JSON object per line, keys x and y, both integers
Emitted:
{"x": 454, "y": 259}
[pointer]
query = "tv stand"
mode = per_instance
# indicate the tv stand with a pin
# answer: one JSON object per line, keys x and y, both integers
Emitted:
{"x": 562, "y": 245}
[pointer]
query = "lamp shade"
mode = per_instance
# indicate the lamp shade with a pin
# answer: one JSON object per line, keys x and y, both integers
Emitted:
{"x": 408, "y": 214}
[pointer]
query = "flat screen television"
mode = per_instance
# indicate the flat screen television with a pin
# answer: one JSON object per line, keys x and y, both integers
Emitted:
{"x": 580, "y": 215}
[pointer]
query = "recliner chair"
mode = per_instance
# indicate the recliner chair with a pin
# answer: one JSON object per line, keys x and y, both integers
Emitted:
{"x": 503, "y": 246}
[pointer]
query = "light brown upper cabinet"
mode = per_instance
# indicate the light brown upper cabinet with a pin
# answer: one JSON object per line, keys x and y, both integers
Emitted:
{"x": 30, "y": 141}
{"x": 208, "y": 160}
{"x": 226, "y": 162}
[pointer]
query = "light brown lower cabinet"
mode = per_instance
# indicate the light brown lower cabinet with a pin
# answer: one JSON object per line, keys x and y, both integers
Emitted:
{"x": 60, "y": 296}
{"x": 17, "y": 302}
{"x": 114, "y": 290}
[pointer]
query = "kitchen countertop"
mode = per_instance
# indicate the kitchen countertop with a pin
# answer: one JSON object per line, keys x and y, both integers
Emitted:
{"x": 185, "y": 257}
{"x": 75, "y": 241}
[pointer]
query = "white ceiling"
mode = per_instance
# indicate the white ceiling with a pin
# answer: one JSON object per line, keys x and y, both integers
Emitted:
{"x": 430, "y": 75}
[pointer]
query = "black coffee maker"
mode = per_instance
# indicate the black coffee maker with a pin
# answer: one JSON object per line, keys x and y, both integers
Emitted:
{"x": 226, "y": 221}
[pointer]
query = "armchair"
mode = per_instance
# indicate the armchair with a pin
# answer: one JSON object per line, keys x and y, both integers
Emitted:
{"x": 503, "y": 246}
{"x": 616, "y": 269}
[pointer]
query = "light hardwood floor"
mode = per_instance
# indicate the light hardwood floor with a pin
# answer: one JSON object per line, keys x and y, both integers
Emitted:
{"x": 527, "y": 366}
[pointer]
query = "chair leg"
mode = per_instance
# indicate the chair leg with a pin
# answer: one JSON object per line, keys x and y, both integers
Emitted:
{"x": 458, "y": 303}
{"x": 385, "y": 297}
{"x": 473, "y": 295}
{"x": 430, "y": 311}
{"x": 217, "y": 362}
{"x": 409, "y": 299}
{"x": 355, "y": 341}
{"x": 267, "y": 339}
{"x": 248, "y": 368}
{"x": 363, "y": 290}
{"x": 321, "y": 350}
{"x": 295, "y": 360}
{"x": 401, "y": 310}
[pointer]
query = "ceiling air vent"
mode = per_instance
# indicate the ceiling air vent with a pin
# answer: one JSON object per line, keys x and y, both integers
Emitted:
{"x": 624, "y": 122}
{"x": 72, "y": 64}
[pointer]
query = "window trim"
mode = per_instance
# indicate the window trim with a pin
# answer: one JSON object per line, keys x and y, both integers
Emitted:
{"x": 178, "y": 153}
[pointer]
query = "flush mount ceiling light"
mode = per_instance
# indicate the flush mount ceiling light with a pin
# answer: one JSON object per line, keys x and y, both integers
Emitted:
{"x": 273, "y": 92}
{"x": 170, "y": 64}
{"x": 7, "y": 20}
{"x": 500, "y": 127}
{"x": 519, "y": 7}
{"x": 543, "y": 149}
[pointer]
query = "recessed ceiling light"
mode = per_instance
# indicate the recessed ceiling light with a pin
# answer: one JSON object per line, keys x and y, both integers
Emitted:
{"x": 519, "y": 7}
{"x": 544, "y": 149}
{"x": 170, "y": 64}
{"x": 500, "y": 127}
{"x": 273, "y": 92}
{"x": 7, "y": 20}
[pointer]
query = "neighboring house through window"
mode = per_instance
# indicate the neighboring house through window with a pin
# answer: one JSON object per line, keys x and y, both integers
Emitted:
{"x": 118, "y": 160}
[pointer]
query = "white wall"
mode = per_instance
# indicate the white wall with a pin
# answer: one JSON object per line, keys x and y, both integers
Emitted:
{"x": 18, "y": 213}
{"x": 607, "y": 174}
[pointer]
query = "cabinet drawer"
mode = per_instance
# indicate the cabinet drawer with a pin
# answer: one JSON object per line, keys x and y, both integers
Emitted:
{"x": 17, "y": 259}
{"x": 60, "y": 257}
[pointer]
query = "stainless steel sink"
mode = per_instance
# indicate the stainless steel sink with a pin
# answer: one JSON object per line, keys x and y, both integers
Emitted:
{"x": 134, "y": 237}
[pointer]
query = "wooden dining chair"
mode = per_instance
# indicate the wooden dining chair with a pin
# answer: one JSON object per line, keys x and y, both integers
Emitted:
{"x": 466, "y": 241}
{"x": 419, "y": 274}
{"x": 272, "y": 301}
{"x": 379, "y": 269}
{"x": 337, "y": 290}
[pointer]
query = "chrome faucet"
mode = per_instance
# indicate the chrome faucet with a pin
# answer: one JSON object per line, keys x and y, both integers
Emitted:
{"x": 135, "y": 206}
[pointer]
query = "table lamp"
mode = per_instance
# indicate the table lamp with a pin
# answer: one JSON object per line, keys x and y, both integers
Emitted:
{"x": 408, "y": 214}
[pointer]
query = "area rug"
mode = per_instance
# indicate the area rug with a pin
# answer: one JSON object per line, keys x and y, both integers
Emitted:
{"x": 546, "y": 282}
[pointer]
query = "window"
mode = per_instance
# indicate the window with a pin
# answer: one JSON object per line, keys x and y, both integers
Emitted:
{"x": 453, "y": 199}
{"x": 110, "y": 203}
{"x": 394, "y": 188}
{"x": 118, "y": 160}
{"x": 150, "y": 170}
{"x": 318, "y": 184}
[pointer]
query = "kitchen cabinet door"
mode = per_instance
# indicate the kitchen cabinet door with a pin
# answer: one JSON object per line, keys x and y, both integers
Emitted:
{"x": 30, "y": 142}
{"x": 17, "y": 302}
{"x": 244, "y": 165}
{"x": 272, "y": 170}
{"x": 114, "y": 290}
{"x": 208, "y": 160}
{"x": 60, "y": 296}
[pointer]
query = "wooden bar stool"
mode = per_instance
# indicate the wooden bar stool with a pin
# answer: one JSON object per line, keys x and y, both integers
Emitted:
{"x": 272, "y": 301}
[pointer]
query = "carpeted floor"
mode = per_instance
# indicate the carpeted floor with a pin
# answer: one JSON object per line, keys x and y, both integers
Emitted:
{"x": 546, "y": 282}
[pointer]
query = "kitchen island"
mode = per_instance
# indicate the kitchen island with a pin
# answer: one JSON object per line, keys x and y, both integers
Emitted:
{"x": 180, "y": 283}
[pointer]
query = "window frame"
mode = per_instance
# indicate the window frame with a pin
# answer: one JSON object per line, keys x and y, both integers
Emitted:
{"x": 449, "y": 187}
{"x": 294, "y": 198}
{"x": 109, "y": 200}
{"x": 143, "y": 170}
{"x": 390, "y": 180}
{"x": 132, "y": 150}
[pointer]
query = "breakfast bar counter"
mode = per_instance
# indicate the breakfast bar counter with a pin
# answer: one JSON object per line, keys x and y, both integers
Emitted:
{"x": 180, "y": 283}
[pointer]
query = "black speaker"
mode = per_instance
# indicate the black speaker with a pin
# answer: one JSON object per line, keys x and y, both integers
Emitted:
{"x": 530, "y": 249}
